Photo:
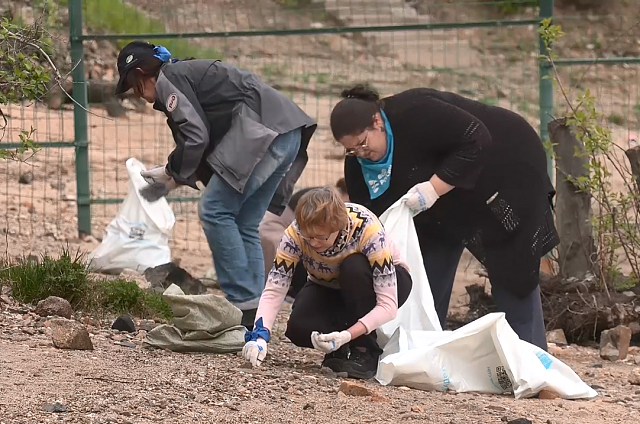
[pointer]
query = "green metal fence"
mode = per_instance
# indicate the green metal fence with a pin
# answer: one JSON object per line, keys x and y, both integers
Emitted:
{"x": 309, "y": 49}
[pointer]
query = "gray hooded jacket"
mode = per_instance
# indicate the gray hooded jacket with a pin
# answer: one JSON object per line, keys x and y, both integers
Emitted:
{"x": 223, "y": 120}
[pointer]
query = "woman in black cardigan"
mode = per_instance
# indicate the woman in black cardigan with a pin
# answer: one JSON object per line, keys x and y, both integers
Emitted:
{"x": 474, "y": 175}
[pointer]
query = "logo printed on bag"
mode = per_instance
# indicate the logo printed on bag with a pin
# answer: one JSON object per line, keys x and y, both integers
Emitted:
{"x": 503, "y": 378}
{"x": 172, "y": 102}
{"x": 545, "y": 359}
{"x": 136, "y": 233}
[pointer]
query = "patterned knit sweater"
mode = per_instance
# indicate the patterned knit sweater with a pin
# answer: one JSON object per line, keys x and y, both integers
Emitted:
{"x": 364, "y": 234}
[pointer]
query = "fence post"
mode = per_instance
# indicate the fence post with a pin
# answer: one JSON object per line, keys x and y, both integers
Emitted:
{"x": 546, "y": 86}
{"x": 80, "y": 126}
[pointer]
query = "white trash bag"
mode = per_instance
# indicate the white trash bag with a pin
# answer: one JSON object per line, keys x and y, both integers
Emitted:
{"x": 418, "y": 312}
{"x": 138, "y": 237}
{"x": 484, "y": 356}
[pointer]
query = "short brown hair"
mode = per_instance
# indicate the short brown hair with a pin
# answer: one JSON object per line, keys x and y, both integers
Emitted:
{"x": 321, "y": 208}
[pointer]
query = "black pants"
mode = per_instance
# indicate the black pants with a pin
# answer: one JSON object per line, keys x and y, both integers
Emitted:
{"x": 319, "y": 308}
{"x": 523, "y": 313}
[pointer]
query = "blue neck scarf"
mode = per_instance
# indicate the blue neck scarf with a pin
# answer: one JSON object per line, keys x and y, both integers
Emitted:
{"x": 377, "y": 175}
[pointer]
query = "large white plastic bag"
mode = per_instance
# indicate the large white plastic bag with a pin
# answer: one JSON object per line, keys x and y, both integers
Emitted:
{"x": 484, "y": 356}
{"x": 138, "y": 237}
{"x": 418, "y": 312}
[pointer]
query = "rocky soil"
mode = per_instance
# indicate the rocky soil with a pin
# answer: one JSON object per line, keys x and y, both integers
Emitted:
{"x": 116, "y": 380}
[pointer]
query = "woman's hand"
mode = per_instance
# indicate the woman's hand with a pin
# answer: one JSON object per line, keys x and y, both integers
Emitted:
{"x": 331, "y": 342}
{"x": 424, "y": 195}
{"x": 255, "y": 351}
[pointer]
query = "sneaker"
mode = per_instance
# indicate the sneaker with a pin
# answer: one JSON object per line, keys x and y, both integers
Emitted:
{"x": 335, "y": 360}
{"x": 361, "y": 365}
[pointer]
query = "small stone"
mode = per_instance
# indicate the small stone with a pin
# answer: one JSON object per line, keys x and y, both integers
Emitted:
{"x": 379, "y": 398}
{"x": 597, "y": 365}
{"x": 497, "y": 408}
{"x": 520, "y": 421}
{"x": 29, "y": 331}
{"x": 555, "y": 350}
{"x": 68, "y": 334}
{"x": 636, "y": 359}
{"x": 26, "y": 178}
{"x": 54, "y": 407}
{"x": 328, "y": 372}
{"x": 309, "y": 406}
{"x": 614, "y": 343}
{"x": 54, "y": 306}
{"x": 124, "y": 323}
{"x": 557, "y": 336}
{"x": 342, "y": 375}
{"x": 596, "y": 387}
{"x": 404, "y": 388}
{"x": 126, "y": 343}
{"x": 548, "y": 394}
{"x": 634, "y": 378}
{"x": 353, "y": 389}
{"x": 417, "y": 409}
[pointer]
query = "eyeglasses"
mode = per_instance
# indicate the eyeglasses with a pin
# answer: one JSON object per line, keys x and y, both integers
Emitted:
{"x": 359, "y": 147}
{"x": 316, "y": 238}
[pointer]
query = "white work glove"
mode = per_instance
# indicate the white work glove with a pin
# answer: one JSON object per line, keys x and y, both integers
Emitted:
{"x": 331, "y": 342}
{"x": 160, "y": 184}
{"x": 421, "y": 197}
{"x": 255, "y": 351}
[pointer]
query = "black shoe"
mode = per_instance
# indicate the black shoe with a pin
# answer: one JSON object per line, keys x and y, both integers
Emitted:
{"x": 248, "y": 318}
{"x": 335, "y": 360}
{"x": 361, "y": 365}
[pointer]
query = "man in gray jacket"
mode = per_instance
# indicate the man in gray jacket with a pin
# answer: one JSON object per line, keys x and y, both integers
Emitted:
{"x": 243, "y": 139}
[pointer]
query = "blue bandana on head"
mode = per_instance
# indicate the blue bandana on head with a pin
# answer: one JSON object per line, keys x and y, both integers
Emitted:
{"x": 377, "y": 175}
{"x": 161, "y": 53}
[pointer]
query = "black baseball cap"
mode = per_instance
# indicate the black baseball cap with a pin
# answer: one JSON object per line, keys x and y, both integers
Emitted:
{"x": 128, "y": 59}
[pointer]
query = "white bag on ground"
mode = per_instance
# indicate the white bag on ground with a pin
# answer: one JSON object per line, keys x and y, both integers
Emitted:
{"x": 418, "y": 312}
{"x": 484, "y": 356}
{"x": 138, "y": 237}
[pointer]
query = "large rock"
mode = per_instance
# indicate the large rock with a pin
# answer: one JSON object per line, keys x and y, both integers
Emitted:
{"x": 54, "y": 306}
{"x": 162, "y": 276}
{"x": 557, "y": 337}
{"x": 614, "y": 343}
{"x": 67, "y": 334}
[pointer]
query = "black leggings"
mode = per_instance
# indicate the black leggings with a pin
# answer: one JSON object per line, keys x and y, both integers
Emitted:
{"x": 322, "y": 309}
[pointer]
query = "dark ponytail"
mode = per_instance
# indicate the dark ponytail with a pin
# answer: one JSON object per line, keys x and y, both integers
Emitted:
{"x": 354, "y": 114}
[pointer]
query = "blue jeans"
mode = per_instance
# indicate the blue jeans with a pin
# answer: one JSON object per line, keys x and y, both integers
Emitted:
{"x": 230, "y": 222}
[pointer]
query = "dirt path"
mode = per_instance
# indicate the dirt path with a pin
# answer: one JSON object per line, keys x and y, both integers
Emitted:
{"x": 116, "y": 384}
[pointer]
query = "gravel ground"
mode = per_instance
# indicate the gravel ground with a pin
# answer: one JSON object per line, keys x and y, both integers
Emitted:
{"x": 119, "y": 384}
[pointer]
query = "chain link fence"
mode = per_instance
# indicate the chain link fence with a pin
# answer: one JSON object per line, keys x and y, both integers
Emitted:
{"x": 309, "y": 49}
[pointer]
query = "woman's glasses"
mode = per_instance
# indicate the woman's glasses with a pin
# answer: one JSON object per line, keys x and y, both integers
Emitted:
{"x": 359, "y": 147}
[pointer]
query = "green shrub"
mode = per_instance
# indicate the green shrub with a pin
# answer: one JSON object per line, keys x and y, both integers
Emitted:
{"x": 35, "y": 279}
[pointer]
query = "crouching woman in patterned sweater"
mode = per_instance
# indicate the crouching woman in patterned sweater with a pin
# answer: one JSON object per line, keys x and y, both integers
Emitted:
{"x": 356, "y": 283}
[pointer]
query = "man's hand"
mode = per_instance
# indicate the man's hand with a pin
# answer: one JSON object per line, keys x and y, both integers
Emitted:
{"x": 421, "y": 197}
{"x": 331, "y": 342}
{"x": 255, "y": 351}
{"x": 160, "y": 184}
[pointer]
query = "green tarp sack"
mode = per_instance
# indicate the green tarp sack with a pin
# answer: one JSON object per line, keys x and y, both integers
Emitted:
{"x": 202, "y": 323}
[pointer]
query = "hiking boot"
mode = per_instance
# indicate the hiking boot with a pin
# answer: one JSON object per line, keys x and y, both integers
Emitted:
{"x": 361, "y": 364}
{"x": 335, "y": 360}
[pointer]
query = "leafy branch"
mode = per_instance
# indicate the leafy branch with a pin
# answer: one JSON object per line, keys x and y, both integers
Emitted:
{"x": 616, "y": 223}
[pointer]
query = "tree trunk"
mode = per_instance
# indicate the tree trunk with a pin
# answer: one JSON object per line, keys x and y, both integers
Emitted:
{"x": 633, "y": 154}
{"x": 577, "y": 247}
